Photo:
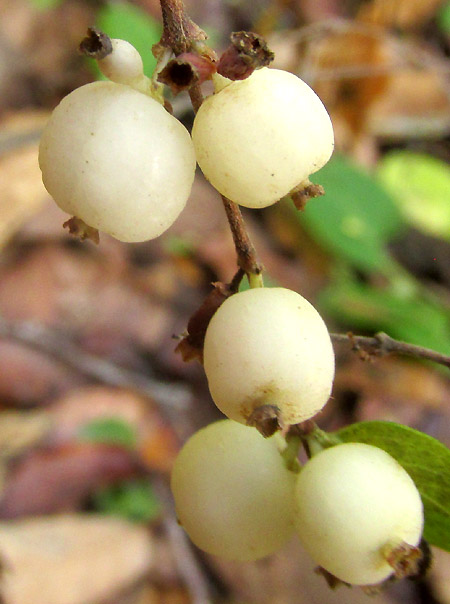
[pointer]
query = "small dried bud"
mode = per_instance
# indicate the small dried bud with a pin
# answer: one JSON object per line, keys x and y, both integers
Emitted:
{"x": 96, "y": 44}
{"x": 248, "y": 51}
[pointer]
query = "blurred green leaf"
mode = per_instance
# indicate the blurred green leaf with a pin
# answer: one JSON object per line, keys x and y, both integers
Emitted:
{"x": 407, "y": 318}
{"x": 420, "y": 184}
{"x": 179, "y": 246}
{"x": 355, "y": 218}
{"x": 130, "y": 23}
{"x": 134, "y": 500}
{"x": 45, "y": 4}
{"x": 425, "y": 459}
{"x": 443, "y": 18}
{"x": 111, "y": 431}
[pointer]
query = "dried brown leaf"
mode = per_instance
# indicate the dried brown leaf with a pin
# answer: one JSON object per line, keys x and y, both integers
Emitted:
{"x": 60, "y": 479}
{"x": 403, "y": 14}
{"x": 30, "y": 378}
{"x": 22, "y": 193}
{"x": 156, "y": 443}
{"x": 20, "y": 430}
{"x": 71, "y": 559}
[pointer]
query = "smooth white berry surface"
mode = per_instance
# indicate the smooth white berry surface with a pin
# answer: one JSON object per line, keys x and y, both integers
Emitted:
{"x": 115, "y": 158}
{"x": 268, "y": 346}
{"x": 258, "y": 138}
{"x": 354, "y": 501}
{"x": 233, "y": 494}
{"x": 124, "y": 64}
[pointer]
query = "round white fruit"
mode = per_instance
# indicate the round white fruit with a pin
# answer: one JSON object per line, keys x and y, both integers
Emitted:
{"x": 233, "y": 494}
{"x": 268, "y": 346}
{"x": 354, "y": 504}
{"x": 124, "y": 64}
{"x": 257, "y": 139}
{"x": 115, "y": 158}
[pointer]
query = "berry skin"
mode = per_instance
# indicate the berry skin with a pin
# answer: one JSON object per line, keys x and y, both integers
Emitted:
{"x": 233, "y": 494}
{"x": 124, "y": 64}
{"x": 354, "y": 504}
{"x": 259, "y": 138}
{"x": 115, "y": 158}
{"x": 268, "y": 346}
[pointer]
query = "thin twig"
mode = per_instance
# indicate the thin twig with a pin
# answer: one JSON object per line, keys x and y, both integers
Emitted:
{"x": 59, "y": 346}
{"x": 189, "y": 567}
{"x": 179, "y": 31}
{"x": 381, "y": 344}
{"x": 245, "y": 250}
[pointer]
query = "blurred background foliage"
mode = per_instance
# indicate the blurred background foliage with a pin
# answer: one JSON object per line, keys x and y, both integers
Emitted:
{"x": 94, "y": 403}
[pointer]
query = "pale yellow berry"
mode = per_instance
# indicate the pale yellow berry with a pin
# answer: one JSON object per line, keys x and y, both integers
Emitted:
{"x": 257, "y": 139}
{"x": 268, "y": 346}
{"x": 355, "y": 503}
{"x": 124, "y": 64}
{"x": 115, "y": 158}
{"x": 233, "y": 494}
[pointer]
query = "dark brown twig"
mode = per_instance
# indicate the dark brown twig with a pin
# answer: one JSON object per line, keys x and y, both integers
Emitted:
{"x": 179, "y": 32}
{"x": 245, "y": 250}
{"x": 381, "y": 344}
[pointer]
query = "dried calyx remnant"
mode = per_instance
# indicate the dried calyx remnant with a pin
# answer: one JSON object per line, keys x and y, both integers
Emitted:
{"x": 186, "y": 70}
{"x": 248, "y": 51}
{"x": 96, "y": 45}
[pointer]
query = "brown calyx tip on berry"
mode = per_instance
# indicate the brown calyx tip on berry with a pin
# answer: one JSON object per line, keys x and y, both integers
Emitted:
{"x": 248, "y": 51}
{"x": 81, "y": 230}
{"x": 304, "y": 192}
{"x": 186, "y": 70}
{"x": 405, "y": 559}
{"x": 266, "y": 419}
{"x": 96, "y": 44}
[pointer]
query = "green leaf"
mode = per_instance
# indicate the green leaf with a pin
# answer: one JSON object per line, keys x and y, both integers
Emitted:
{"x": 443, "y": 18}
{"x": 45, "y": 4}
{"x": 111, "y": 431}
{"x": 128, "y": 22}
{"x": 425, "y": 459}
{"x": 408, "y": 317}
{"x": 179, "y": 246}
{"x": 134, "y": 500}
{"x": 355, "y": 218}
{"x": 420, "y": 184}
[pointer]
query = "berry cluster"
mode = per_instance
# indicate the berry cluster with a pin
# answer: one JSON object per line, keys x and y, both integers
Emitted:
{"x": 352, "y": 505}
{"x": 112, "y": 156}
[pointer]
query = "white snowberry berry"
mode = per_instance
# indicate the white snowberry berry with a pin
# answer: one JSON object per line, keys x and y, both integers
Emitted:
{"x": 268, "y": 346}
{"x": 124, "y": 64}
{"x": 259, "y": 138}
{"x": 115, "y": 158}
{"x": 355, "y": 504}
{"x": 233, "y": 494}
